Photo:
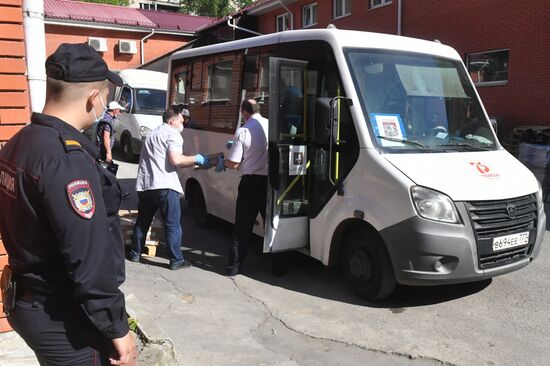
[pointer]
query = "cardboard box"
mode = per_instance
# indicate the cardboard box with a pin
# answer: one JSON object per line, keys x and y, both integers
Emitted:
{"x": 154, "y": 237}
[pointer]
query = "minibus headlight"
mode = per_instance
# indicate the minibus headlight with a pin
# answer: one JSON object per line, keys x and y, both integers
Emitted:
{"x": 144, "y": 131}
{"x": 433, "y": 205}
{"x": 539, "y": 196}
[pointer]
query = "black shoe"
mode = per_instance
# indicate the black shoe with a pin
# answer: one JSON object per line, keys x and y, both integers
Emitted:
{"x": 231, "y": 271}
{"x": 180, "y": 265}
{"x": 133, "y": 258}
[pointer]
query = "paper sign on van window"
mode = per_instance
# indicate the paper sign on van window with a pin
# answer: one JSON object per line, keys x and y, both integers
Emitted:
{"x": 388, "y": 125}
{"x": 297, "y": 160}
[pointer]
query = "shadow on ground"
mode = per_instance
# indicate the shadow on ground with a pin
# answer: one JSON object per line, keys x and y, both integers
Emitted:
{"x": 207, "y": 249}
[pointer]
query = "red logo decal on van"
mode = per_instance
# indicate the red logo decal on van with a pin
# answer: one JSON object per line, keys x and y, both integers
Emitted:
{"x": 483, "y": 169}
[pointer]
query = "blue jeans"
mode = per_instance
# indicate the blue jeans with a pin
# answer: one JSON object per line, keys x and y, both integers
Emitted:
{"x": 168, "y": 202}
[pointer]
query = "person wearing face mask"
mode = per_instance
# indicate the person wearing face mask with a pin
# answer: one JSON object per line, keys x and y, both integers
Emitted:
{"x": 159, "y": 187}
{"x": 62, "y": 281}
{"x": 105, "y": 136}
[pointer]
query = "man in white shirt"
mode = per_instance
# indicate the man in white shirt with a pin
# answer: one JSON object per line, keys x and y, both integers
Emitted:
{"x": 159, "y": 187}
{"x": 248, "y": 153}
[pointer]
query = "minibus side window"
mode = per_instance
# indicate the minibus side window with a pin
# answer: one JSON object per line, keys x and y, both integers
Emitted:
{"x": 256, "y": 76}
{"x": 210, "y": 88}
{"x": 196, "y": 75}
{"x": 180, "y": 87}
{"x": 250, "y": 79}
{"x": 200, "y": 114}
{"x": 219, "y": 81}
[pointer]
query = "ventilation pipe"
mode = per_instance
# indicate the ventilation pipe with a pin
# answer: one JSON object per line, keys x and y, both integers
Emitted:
{"x": 142, "y": 44}
{"x": 35, "y": 47}
{"x": 399, "y": 16}
{"x": 235, "y": 26}
{"x": 290, "y": 14}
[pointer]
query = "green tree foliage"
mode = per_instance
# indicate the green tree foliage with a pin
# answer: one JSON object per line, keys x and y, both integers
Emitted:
{"x": 112, "y": 2}
{"x": 213, "y": 8}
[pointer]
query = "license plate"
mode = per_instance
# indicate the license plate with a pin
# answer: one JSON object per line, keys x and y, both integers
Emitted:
{"x": 510, "y": 241}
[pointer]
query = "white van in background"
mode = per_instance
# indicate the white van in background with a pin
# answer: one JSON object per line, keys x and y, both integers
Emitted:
{"x": 144, "y": 96}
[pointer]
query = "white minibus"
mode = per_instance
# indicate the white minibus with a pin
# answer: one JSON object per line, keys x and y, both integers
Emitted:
{"x": 144, "y": 96}
{"x": 382, "y": 159}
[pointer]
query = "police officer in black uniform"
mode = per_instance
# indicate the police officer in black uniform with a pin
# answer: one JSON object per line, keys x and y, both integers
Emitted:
{"x": 59, "y": 223}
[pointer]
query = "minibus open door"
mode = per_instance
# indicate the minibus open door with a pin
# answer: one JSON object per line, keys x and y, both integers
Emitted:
{"x": 287, "y": 211}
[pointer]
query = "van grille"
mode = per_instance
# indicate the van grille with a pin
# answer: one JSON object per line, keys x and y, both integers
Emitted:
{"x": 491, "y": 219}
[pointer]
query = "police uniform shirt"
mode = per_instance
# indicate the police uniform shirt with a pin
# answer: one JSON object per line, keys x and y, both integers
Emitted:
{"x": 250, "y": 146}
{"x": 54, "y": 223}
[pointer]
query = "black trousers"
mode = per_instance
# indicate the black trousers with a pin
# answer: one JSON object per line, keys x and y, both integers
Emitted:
{"x": 59, "y": 333}
{"x": 250, "y": 200}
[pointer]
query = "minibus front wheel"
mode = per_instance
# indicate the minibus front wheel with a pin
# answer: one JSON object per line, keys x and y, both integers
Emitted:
{"x": 368, "y": 266}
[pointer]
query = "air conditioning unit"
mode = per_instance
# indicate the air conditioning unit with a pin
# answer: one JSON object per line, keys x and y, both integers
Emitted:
{"x": 125, "y": 46}
{"x": 98, "y": 44}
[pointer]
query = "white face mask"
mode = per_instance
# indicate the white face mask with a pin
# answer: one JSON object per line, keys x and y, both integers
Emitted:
{"x": 180, "y": 128}
{"x": 104, "y": 109}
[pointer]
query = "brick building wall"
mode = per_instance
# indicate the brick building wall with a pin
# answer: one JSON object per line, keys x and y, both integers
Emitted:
{"x": 382, "y": 19}
{"x": 477, "y": 26}
{"x": 14, "y": 95}
{"x": 468, "y": 26}
{"x": 155, "y": 46}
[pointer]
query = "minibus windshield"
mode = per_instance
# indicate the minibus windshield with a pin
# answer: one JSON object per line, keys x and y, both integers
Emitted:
{"x": 418, "y": 103}
{"x": 150, "y": 101}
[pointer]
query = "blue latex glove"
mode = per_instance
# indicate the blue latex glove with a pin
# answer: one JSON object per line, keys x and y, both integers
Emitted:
{"x": 201, "y": 160}
{"x": 220, "y": 167}
{"x": 228, "y": 144}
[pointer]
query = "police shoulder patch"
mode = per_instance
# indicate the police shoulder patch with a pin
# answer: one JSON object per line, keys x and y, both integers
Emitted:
{"x": 81, "y": 198}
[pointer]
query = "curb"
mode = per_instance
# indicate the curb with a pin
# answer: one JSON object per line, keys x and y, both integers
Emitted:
{"x": 154, "y": 348}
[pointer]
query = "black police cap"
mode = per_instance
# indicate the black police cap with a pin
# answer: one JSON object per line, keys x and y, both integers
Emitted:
{"x": 79, "y": 63}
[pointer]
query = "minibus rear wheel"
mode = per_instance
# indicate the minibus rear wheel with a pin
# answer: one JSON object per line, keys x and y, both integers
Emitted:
{"x": 198, "y": 205}
{"x": 368, "y": 266}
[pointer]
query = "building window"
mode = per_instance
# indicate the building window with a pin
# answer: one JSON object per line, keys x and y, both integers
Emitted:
{"x": 378, "y": 3}
{"x": 342, "y": 8}
{"x": 488, "y": 67}
{"x": 309, "y": 15}
{"x": 219, "y": 81}
{"x": 282, "y": 22}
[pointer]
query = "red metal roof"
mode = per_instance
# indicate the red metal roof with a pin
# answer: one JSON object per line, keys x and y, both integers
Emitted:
{"x": 121, "y": 15}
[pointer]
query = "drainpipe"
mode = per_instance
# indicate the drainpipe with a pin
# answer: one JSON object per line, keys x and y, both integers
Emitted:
{"x": 35, "y": 47}
{"x": 235, "y": 26}
{"x": 142, "y": 45}
{"x": 289, "y": 12}
{"x": 399, "y": 16}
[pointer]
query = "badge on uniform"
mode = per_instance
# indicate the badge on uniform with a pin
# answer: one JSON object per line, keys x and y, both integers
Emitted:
{"x": 81, "y": 198}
